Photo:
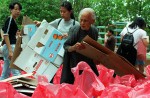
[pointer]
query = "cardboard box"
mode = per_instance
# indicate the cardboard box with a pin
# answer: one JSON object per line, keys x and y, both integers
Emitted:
{"x": 41, "y": 32}
{"x": 43, "y": 53}
{"x": 53, "y": 45}
{"x": 30, "y": 29}
{"x": 48, "y": 42}
{"x": 31, "y": 62}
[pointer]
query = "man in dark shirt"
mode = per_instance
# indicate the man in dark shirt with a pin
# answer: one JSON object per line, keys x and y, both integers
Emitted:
{"x": 110, "y": 40}
{"x": 77, "y": 33}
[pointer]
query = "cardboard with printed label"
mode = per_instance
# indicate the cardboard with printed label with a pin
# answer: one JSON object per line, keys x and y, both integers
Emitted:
{"x": 48, "y": 42}
{"x": 53, "y": 44}
{"x": 31, "y": 62}
{"x": 30, "y": 29}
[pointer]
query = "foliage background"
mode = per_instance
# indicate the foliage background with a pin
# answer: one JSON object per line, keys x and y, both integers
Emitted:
{"x": 107, "y": 11}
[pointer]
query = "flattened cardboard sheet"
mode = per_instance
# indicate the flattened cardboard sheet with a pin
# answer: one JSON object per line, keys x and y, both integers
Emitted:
{"x": 108, "y": 58}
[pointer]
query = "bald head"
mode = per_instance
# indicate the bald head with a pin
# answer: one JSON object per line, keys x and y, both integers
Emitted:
{"x": 87, "y": 18}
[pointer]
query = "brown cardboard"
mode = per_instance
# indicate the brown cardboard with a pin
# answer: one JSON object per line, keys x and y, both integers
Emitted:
{"x": 26, "y": 20}
{"x": 16, "y": 53}
{"x": 108, "y": 58}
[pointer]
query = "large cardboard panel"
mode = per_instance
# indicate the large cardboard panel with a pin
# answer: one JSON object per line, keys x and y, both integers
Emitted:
{"x": 108, "y": 58}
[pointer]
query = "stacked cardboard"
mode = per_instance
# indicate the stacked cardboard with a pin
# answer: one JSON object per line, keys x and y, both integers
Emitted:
{"x": 41, "y": 53}
{"x": 23, "y": 83}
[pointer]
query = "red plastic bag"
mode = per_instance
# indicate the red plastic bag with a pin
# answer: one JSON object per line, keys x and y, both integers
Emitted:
{"x": 116, "y": 91}
{"x": 56, "y": 79}
{"x": 127, "y": 80}
{"x": 1, "y": 66}
{"x": 105, "y": 75}
{"x": 147, "y": 70}
{"x": 7, "y": 90}
{"x": 70, "y": 91}
{"x": 87, "y": 81}
{"x": 141, "y": 90}
{"x": 46, "y": 90}
{"x": 42, "y": 78}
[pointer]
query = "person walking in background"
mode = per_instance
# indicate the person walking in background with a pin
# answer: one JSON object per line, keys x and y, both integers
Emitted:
{"x": 110, "y": 40}
{"x": 77, "y": 33}
{"x": 137, "y": 28}
{"x": 10, "y": 30}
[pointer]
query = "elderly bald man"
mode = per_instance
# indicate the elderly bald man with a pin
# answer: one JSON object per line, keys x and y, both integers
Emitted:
{"x": 77, "y": 33}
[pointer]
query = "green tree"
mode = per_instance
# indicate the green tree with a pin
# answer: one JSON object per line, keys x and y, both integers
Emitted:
{"x": 35, "y": 9}
{"x": 107, "y": 11}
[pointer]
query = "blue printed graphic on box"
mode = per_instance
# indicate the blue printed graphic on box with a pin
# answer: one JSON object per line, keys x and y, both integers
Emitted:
{"x": 53, "y": 46}
{"x": 31, "y": 29}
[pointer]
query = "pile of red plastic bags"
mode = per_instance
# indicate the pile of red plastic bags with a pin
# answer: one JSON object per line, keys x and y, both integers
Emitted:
{"x": 86, "y": 85}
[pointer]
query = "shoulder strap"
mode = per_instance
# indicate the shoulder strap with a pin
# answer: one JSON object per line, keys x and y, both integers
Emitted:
{"x": 9, "y": 25}
{"x": 127, "y": 30}
{"x": 59, "y": 22}
{"x": 132, "y": 32}
{"x": 135, "y": 44}
{"x": 74, "y": 22}
{"x": 61, "y": 19}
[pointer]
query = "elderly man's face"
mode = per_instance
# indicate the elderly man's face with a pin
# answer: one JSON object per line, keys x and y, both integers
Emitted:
{"x": 86, "y": 21}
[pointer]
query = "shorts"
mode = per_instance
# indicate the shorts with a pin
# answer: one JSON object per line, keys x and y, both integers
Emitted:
{"x": 139, "y": 62}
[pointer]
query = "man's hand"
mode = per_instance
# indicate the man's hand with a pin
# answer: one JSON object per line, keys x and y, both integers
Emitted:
{"x": 79, "y": 46}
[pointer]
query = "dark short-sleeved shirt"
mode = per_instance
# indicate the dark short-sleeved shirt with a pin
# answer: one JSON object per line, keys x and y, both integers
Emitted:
{"x": 110, "y": 44}
{"x": 11, "y": 31}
